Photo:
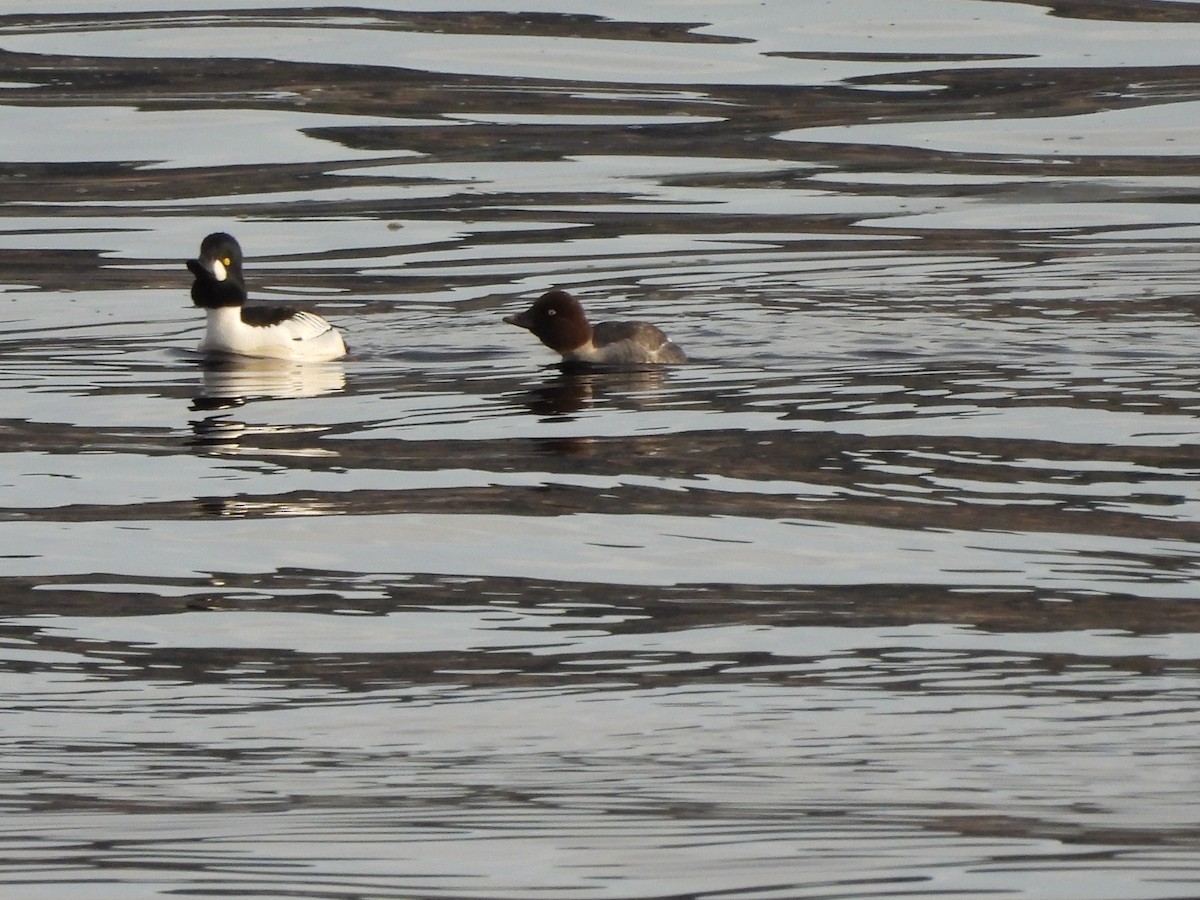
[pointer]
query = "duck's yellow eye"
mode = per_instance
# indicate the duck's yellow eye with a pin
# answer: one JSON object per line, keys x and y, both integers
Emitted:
{"x": 225, "y": 261}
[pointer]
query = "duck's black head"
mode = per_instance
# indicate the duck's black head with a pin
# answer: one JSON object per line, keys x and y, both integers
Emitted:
{"x": 218, "y": 272}
{"x": 557, "y": 319}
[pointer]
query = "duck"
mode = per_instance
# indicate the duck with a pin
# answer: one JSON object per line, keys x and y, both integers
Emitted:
{"x": 557, "y": 319}
{"x": 271, "y": 332}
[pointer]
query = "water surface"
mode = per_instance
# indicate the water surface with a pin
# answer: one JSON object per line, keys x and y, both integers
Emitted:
{"x": 890, "y": 592}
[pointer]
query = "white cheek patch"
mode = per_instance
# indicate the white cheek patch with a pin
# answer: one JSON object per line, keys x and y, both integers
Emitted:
{"x": 218, "y": 270}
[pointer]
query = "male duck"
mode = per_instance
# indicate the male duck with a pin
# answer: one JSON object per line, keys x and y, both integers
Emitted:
{"x": 275, "y": 332}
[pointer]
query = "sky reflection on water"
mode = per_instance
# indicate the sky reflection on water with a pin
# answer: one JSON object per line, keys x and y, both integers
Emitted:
{"x": 891, "y": 591}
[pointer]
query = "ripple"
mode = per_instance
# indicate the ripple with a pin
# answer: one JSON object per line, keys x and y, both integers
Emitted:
{"x": 890, "y": 591}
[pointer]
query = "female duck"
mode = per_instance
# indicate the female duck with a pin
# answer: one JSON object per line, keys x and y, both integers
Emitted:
{"x": 558, "y": 320}
{"x": 274, "y": 332}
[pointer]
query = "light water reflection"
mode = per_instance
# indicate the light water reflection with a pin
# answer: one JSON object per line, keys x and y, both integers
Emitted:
{"x": 891, "y": 591}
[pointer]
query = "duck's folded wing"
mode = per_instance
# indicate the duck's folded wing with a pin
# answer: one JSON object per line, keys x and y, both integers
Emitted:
{"x": 262, "y": 316}
{"x": 299, "y": 325}
{"x": 642, "y": 333}
{"x": 635, "y": 342}
{"x": 305, "y": 326}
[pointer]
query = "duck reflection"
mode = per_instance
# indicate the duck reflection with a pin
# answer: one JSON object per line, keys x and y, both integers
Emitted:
{"x": 576, "y": 387}
{"x": 556, "y": 399}
{"x": 241, "y": 508}
{"x": 230, "y": 380}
